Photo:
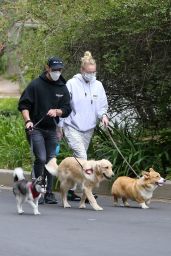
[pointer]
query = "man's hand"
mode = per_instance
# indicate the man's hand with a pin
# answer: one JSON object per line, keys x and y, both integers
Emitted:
{"x": 29, "y": 126}
{"x": 54, "y": 112}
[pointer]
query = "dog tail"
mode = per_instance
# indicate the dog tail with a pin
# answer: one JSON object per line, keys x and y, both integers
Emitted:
{"x": 18, "y": 174}
{"x": 52, "y": 167}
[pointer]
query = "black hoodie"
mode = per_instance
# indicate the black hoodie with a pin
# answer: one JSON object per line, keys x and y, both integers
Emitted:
{"x": 41, "y": 95}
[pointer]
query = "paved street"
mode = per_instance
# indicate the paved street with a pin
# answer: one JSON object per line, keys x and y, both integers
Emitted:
{"x": 81, "y": 232}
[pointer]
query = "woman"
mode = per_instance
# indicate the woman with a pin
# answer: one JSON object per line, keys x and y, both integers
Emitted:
{"x": 89, "y": 105}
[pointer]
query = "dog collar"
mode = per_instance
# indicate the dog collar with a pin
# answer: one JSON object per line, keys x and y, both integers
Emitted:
{"x": 33, "y": 191}
{"x": 88, "y": 171}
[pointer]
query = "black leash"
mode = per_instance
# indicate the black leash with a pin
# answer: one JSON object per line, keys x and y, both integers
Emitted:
{"x": 72, "y": 153}
{"x": 29, "y": 130}
{"x": 78, "y": 162}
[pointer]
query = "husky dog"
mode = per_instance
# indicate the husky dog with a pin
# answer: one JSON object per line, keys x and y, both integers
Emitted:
{"x": 27, "y": 191}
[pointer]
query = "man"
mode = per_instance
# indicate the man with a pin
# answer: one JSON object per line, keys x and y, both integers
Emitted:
{"x": 42, "y": 103}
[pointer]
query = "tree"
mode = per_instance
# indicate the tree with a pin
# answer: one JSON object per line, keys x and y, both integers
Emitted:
{"x": 129, "y": 39}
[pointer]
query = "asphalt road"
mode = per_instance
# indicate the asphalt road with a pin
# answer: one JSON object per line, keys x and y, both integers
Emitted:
{"x": 115, "y": 231}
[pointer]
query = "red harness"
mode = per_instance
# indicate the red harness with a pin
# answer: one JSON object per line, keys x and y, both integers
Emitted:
{"x": 89, "y": 171}
{"x": 33, "y": 191}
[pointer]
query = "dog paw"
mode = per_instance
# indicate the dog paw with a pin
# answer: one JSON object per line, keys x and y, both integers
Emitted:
{"x": 37, "y": 213}
{"x": 67, "y": 206}
{"x": 82, "y": 206}
{"x": 144, "y": 206}
{"x": 20, "y": 212}
{"x": 98, "y": 208}
{"x": 126, "y": 205}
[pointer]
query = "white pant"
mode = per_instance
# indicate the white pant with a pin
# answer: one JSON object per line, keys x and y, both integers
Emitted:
{"x": 78, "y": 141}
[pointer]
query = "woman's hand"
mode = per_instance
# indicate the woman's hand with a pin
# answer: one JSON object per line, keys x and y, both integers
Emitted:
{"x": 105, "y": 120}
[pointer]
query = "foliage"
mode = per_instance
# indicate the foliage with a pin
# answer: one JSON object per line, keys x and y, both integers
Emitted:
{"x": 140, "y": 152}
{"x": 131, "y": 42}
{"x": 14, "y": 150}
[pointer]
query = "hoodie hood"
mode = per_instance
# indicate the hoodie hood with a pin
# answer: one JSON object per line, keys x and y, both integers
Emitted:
{"x": 60, "y": 82}
{"x": 79, "y": 77}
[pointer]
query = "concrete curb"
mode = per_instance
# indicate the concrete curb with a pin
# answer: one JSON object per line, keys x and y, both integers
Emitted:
{"x": 164, "y": 192}
{"x": 6, "y": 177}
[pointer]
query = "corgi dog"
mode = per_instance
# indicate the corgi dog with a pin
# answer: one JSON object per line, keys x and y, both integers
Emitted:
{"x": 139, "y": 190}
{"x": 27, "y": 191}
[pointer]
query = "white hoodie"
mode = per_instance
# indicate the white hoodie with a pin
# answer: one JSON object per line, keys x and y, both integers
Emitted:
{"x": 88, "y": 103}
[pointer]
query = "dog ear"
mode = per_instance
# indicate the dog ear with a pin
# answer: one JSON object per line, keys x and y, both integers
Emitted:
{"x": 145, "y": 174}
{"x": 151, "y": 170}
{"x": 38, "y": 180}
{"x": 98, "y": 168}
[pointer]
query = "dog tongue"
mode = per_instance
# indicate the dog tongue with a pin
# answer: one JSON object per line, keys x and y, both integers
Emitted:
{"x": 160, "y": 184}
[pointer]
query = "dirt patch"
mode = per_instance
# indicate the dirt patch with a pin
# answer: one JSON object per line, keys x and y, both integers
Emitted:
{"x": 9, "y": 89}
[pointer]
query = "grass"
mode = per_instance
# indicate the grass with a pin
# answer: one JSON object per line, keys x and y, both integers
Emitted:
{"x": 14, "y": 149}
{"x": 8, "y": 104}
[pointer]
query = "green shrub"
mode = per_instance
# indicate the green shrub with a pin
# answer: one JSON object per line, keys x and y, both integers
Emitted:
{"x": 140, "y": 152}
{"x": 14, "y": 149}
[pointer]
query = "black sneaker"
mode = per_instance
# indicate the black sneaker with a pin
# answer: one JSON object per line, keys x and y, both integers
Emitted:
{"x": 50, "y": 198}
{"x": 72, "y": 196}
{"x": 41, "y": 200}
{"x": 87, "y": 201}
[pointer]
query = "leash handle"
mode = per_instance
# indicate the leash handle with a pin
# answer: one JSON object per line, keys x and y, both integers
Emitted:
{"x": 114, "y": 143}
{"x": 29, "y": 129}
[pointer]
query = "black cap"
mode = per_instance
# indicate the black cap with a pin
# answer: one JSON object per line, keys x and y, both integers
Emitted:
{"x": 55, "y": 63}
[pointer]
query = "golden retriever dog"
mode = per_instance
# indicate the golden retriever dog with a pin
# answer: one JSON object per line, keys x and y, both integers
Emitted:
{"x": 139, "y": 190}
{"x": 88, "y": 173}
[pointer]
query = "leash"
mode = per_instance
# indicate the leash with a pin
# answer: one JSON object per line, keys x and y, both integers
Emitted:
{"x": 78, "y": 162}
{"x": 114, "y": 143}
{"x": 88, "y": 171}
{"x": 31, "y": 146}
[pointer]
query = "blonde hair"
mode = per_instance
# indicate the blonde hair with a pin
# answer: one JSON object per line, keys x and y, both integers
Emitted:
{"x": 87, "y": 59}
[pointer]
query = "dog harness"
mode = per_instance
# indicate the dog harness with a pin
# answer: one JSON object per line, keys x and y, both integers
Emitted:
{"x": 88, "y": 171}
{"x": 33, "y": 191}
